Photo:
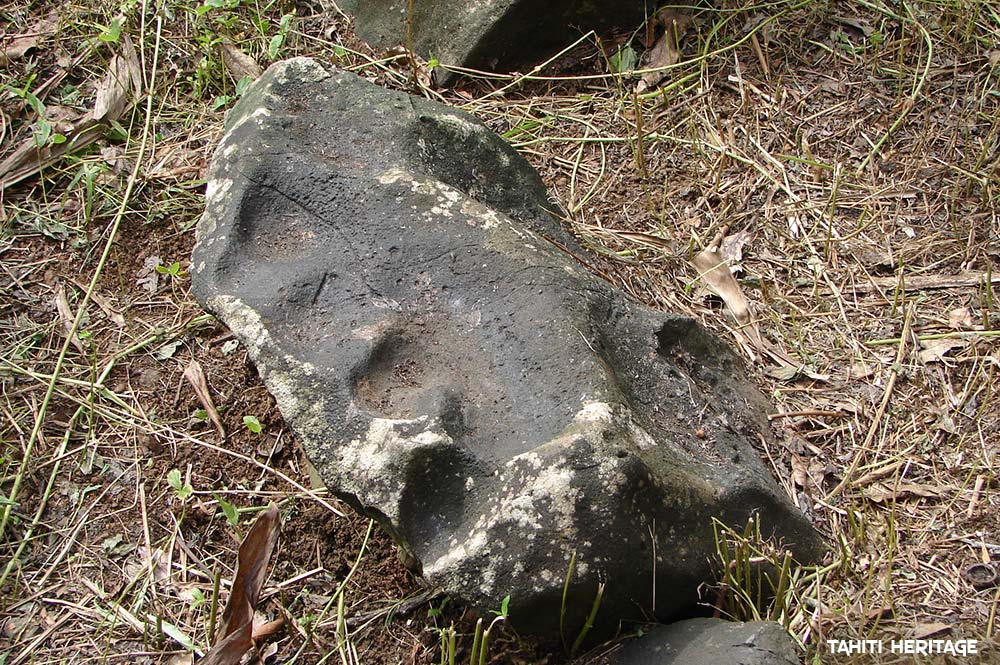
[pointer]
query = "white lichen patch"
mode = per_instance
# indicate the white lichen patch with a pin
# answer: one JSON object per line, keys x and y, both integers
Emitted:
{"x": 300, "y": 70}
{"x": 284, "y": 374}
{"x": 244, "y": 321}
{"x": 372, "y": 467}
{"x": 448, "y": 201}
{"x": 226, "y": 150}
{"x": 534, "y": 509}
{"x": 461, "y": 125}
{"x": 371, "y": 332}
{"x": 217, "y": 191}
{"x": 393, "y": 176}
{"x": 594, "y": 412}
{"x": 386, "y": 303}
{"x": 258, "y": 115}
{"x": 216, "y": 201}
{"x": 475, "y": 545}
{"x": 488, "y": 218}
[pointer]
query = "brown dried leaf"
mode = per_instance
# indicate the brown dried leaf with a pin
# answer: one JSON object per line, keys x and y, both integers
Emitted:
{"x": 666, "y": 51}
{"x": 19, "y": 45}
{"x": 113, "y": 314}
{"x": 121, "y": 83}
{"x": 862, "y": 370}
{"x": 28, "y": 159}
{"x": 881, "y": 492}
{"x": 236, "y": 630}
{"x": 238, "y": 63}
{"x": 800, "y": 472}
{"x": 934, "y": 350}
{"x": 66, "y": 317}
{"x": 713, "y": 269}
{"x": 960, "y": 318}
{"x": 924, "y": 630}
{"x": 196, "y": 377}
{"x": 732, "y": 246}
{"x": 230, "y": 651}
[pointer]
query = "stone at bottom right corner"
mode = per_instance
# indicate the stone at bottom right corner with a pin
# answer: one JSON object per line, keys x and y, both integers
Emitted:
{"x": 705, "y": 641}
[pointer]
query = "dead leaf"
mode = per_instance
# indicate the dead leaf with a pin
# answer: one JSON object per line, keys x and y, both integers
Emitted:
{"x": 122, "y": 83}
{"x": 28, "y": 159}
{"x": 881, "y": 492}
{"x": 149, "y": 279}
{"x": 960, "y": 318}
{"x": 196, "y": 377}
{"x": 713, "y": 269}
{"x": 934, "y": 350}
{"x": 66, "y": 317}
{"x": 862, "y": 370}
{"x": 800, "y": 472}
{"x": 267, "y": 629}
{"x": 783, "y": 373}
{"x": 236, "y": 629}
{"x": 666, "y": 51}
{"x": 946, "y": 424}
{"x": 238, "y": 63}
{"x": 925, "y": 630}
{"x": 19, "y": 45}
{"x": 732, "y": 246}
{"x": 834, "y": 87}
{"x": 145, "y": 562}
{"x": 113, "y": 314}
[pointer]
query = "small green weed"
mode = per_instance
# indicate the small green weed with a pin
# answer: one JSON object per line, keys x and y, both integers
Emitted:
{"x": 229, "y": 510}
{"x": 174, "y": 270}
{"x": 181, "y": 487}
{"x": 571, "y": 649}
{"x": 253, "y": 424}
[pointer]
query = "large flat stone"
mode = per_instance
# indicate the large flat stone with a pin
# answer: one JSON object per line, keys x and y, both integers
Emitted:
{"x": 398, "y": 277}
{"x": 495, "y": 35}
{"x": 709, "y": 642}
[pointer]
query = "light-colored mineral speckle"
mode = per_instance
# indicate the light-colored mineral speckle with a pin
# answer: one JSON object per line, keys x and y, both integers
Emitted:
{"x": 285, "y": 379}
{"x": 300, "y": 69}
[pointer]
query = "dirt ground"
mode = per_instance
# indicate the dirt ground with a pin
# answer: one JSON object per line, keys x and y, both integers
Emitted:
{"x": 843, "y": 158}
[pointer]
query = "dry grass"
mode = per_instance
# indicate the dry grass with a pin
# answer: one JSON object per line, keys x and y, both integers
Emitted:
{"x": 850, "y": 152}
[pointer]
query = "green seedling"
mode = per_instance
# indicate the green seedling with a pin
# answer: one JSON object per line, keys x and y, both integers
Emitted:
{"x": 229, "y": 510}
{"x": 434, "y": 612}
{"x": 481, "y": 641}
{"x": 42, "y": 130}
{"x": 504, "y": 605}
{"x": 181, "y": 488}
{"x": 274, "y": 46}
{"x": 225, "y": 100}
{"x": 253, "y": 424}
{"x": 174, "y": 270}
{"x": 624, "y": 60}
{"x": 448, "y": 639}
{"x": 589, "y": 623}
{"x": 197, "y": 598}
{"x": 112, "y": 33}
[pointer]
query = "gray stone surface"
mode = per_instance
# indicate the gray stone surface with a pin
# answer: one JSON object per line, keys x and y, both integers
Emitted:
{"x": 393, "y": 269}
{"x": 709, "y": 642}
{"x": 496, "y": 35}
